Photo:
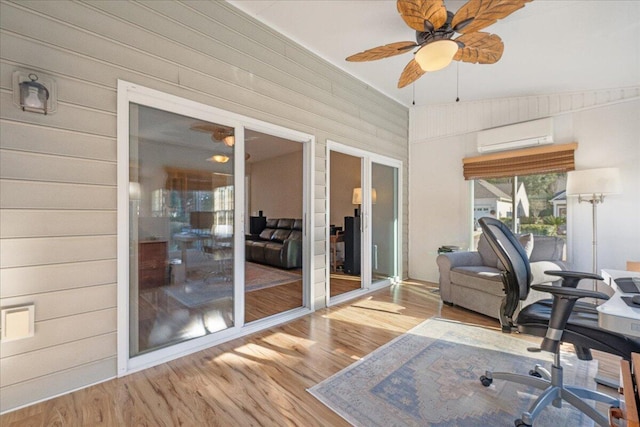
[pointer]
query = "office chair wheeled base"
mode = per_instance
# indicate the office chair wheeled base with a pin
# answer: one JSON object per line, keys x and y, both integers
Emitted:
{"x": 554, "y": 392}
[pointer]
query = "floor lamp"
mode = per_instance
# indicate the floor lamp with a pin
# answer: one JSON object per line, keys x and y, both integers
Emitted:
{"x": 591, "y": 186}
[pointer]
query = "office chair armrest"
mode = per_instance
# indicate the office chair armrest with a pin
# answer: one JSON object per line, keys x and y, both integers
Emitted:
{"x": 570, "y": 279}
{"x": 572, "y": 293}
{"x": 564, "y": 300}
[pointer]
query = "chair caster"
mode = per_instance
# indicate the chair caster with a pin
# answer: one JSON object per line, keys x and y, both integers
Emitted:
{"x": 520, "y": 423}
{"x": 535, "y": 373}
{"x": 486, "y": 381}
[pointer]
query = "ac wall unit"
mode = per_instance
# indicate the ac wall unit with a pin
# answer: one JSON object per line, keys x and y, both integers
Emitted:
{"x": 519, "y": 135}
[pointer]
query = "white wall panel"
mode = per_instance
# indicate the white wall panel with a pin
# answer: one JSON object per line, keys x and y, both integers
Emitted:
{"x": 38, "y": 167}
{"x": 51, "y": 305}
{"x": 42, "y": 362}
{"x": 44, "y": 223}
{"x": 42, "y": 139}
{"x": 61, "y": 330}
{"x": 38, "y": 251}
{"x": 41, "y": 388}
{"x": 56, "y": 277}
{"x": 45, "y": 195}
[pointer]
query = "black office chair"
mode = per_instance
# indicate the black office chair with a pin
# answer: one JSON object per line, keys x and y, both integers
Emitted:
{"x": 558, "y": 320}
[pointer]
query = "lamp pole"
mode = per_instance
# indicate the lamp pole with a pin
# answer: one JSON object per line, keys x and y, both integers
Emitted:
{"x": 594, "y": 199}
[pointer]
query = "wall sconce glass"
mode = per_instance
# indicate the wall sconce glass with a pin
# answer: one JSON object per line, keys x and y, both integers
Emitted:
{"x": 34, "y": 93}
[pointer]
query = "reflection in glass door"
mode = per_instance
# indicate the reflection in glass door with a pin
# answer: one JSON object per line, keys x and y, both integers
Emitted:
{"x": 345, "y": 238}
{"x": 364, "y": 230}
{"x": 181, "y": 221}
{"x": 274, "y": 242}
{"x": 384, "y": 222}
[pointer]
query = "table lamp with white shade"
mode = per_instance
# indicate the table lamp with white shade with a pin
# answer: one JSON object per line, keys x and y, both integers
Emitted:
{"x": 591, "y": 185}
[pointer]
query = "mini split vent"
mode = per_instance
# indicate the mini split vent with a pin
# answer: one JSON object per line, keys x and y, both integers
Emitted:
{"x": 519, "y": 135}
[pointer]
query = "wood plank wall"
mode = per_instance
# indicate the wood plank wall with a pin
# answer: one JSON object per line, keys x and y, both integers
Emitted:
{"x": 58, "y": 172}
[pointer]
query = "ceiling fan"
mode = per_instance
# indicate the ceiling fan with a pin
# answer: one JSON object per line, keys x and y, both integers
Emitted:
{"x": 435, "y": 26}
{"x": 218, "y": 133}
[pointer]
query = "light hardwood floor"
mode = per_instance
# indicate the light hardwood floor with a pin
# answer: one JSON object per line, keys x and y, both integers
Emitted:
{"x": 258, "y": 380}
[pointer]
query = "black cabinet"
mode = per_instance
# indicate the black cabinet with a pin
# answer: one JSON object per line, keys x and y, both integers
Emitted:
{"x": 352, "y": 245}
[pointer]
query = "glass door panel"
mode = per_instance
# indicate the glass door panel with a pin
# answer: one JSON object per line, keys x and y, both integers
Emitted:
{"x": 345, "y": 192}
{"x": 384, "y": 222}
{"x": 274, "y": 242}
{"x": 181, "y": 228}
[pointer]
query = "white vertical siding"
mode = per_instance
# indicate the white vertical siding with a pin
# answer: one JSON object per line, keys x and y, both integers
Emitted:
{"x": 58, "y": 172}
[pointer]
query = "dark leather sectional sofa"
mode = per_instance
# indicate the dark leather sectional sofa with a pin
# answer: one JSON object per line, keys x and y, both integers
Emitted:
{"x": 279, "y": 244}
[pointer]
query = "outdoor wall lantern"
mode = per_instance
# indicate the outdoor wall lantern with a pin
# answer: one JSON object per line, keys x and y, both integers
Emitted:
{"x": 34, "y": 93}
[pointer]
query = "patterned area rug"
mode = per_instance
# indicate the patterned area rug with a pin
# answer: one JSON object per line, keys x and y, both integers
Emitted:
{"x": 430, "y": 377}
{"x": 201, "y": 288}
{"x": 258, "y": 276}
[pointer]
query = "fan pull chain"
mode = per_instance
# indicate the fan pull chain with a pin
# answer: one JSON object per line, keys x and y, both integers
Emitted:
{"x": 457, "y": 82}
{"x": 414, "y": 94}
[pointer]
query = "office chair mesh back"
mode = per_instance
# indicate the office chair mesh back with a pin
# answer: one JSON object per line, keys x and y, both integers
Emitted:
{"x": 517, "y": 275}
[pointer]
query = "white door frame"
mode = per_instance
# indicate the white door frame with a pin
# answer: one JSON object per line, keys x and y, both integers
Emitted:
{"x": 133, "y": 93}
{"x": 367, "y": 159}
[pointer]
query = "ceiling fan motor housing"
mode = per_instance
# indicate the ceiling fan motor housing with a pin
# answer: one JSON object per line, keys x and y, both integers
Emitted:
{"x": 431, "y": 34}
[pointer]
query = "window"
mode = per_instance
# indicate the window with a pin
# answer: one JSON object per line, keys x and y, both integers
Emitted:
{"x": 539, "y": 202}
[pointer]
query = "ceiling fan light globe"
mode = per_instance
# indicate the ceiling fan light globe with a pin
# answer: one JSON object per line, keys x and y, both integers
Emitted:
{"x": 229, "y": 140}
{"x": 219, "y": 158}
{"x": 436, "y": 55}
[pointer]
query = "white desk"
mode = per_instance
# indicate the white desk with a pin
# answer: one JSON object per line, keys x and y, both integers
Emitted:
{"x": 614, "y": 314}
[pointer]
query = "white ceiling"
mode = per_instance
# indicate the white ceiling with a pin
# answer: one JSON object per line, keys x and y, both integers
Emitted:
{"x": 550, "y": 46}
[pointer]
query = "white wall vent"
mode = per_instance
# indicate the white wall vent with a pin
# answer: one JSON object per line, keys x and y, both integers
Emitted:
{"x": 519, "y": 135}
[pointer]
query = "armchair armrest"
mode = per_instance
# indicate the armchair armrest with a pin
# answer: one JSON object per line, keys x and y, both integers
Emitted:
{"x": 451, "y": 260}
{"x": 564, "y": 299}
{"x": 458, "y": 259}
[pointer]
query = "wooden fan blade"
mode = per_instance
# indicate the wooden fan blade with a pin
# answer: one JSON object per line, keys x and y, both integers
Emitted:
{"x": 415, "y": 12}
{"x": 479, "y": 48}
{"x": 380, "y": 52}
{"x": 410, "y": 74}
{"x": 478, "y": 14}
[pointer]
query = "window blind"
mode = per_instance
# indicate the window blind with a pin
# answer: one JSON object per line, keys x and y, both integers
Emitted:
{"x": 529, "y": 161}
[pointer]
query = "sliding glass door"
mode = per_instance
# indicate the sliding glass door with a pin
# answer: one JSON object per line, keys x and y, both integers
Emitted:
{"x": 213, "y": 237}
{"x": 364, "y": 227}
{"x": 384, "y": 222}
{"x": 181, "y": 229}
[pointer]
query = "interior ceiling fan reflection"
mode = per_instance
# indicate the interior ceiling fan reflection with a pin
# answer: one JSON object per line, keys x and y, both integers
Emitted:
{"x": 218, "y": 133}
{"x": 435, "y": 28}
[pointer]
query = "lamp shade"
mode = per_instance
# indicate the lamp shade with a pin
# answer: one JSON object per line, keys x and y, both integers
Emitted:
{"x": 357, "y": 196}
{"x": 436, "y": 55}
{"x": 592, "y": 182}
